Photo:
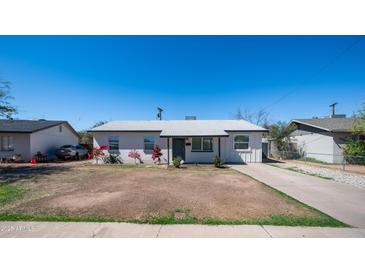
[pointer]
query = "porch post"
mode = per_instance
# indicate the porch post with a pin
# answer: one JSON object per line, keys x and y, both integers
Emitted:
{"x": 219, "y": 147}
{"x": 168, "y": 151}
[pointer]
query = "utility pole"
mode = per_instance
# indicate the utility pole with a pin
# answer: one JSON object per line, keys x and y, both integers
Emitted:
{"x": 333, "y": 106}
{"x": 159, "y": 114}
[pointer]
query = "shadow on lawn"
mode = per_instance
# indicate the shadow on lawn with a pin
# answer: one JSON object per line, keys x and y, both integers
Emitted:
{"x": 13, "y": 173}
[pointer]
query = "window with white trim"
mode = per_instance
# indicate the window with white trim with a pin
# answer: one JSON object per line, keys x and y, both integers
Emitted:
{"x": 7, "y": 143}
{"x": 241, "y": 142}
{"x": 202, "y": 144}
{"x": 113, "y": 142}
{"x": 149, "y": 142}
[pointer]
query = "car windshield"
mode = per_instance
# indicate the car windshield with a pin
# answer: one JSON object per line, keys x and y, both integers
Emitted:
{"x": 67, "y": 146}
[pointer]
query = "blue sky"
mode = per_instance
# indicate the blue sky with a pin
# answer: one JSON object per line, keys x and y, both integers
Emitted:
{"x": 84, "y": 79}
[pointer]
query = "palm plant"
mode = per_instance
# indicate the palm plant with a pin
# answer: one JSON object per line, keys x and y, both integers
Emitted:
{"x": 280, "y": 135}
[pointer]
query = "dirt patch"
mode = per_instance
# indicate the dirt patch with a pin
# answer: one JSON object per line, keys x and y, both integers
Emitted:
{"x": 130, "y": 193}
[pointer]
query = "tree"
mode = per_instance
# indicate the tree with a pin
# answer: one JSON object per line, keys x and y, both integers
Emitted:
{"x": 259, "y": 118}
{"x": 99, "y": 123}
{"x": 280, "y": 135}
{"x": 358, "y": 128}
{"x": 86, "y": 137}
{"x": 6, "y": 109}
{"x": 355, "y": 148}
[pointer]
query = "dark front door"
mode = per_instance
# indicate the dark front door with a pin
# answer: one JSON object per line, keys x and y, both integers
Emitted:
{"x": 178, "y": 148}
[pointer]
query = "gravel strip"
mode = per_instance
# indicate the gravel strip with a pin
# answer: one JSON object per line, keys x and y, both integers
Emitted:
{"x": 339, "y": 176}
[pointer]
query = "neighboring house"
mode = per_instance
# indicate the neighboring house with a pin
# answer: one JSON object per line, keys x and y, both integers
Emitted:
{"x": 195, "y": 141}
{"x": 27, "y": 137}
{"x": 322, "y": 138}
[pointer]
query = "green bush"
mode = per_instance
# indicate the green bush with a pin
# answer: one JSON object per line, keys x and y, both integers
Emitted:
{"x": 177, "y": 161}
{"x": 355, "y": 148}
{"x": 112, "y": 159}
{"x": 218, "y": 162}
{"x": 355, "y": 152}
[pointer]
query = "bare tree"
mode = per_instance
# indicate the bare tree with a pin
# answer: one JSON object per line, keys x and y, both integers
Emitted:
{"x": 6, "y": 109}
{"x": 99, "y": 123}
{"x": 258, "y": 118}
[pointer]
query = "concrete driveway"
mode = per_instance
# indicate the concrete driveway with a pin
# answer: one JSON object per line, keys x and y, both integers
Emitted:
{"x": 343, "y": 202}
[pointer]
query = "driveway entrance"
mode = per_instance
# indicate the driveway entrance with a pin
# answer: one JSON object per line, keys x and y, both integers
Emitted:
{"x": 343, "y": 202}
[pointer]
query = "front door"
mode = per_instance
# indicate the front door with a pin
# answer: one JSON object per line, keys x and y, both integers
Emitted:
{"x": 178, "y": 148}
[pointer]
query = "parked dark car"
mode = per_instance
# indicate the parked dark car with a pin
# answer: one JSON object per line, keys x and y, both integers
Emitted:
{"x": 72, "y": 152}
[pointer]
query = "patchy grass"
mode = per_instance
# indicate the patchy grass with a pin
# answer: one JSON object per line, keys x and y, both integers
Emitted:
{"x": 295, "y": 169}
{"x": 125, "y": 167}
{"x": 298, "y": 170}
{"x": 10, "y": 193}
{"x": 103, "y": 194}
{"x": 312, "y": 160}
{"x": 280, "y": 220}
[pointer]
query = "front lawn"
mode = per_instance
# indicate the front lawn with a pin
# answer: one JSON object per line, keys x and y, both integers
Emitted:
{"x": 194, "y": 195}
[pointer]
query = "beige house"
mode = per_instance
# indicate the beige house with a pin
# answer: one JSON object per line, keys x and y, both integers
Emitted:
{"x": 25, "y": 138}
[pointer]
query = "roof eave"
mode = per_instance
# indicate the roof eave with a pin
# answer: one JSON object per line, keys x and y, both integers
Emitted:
{"x": 310, "y": 125}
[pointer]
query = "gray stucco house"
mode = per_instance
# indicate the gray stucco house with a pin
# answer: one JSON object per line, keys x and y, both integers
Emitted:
{"x": 27, "y": 137}
{"x": 322, "y": 138}
{"x": 195, "y": 141}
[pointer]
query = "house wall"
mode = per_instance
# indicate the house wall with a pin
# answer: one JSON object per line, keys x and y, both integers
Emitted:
{"x": 21, "y": 146}
{"x": 252, "y": 155}
{"x": 321, "y": 145}
{"x": 49, "y": 140}
{"x": 132, "y": 140}
{"x": 201, "y": 157}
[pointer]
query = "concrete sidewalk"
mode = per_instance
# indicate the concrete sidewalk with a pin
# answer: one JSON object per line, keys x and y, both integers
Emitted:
{"x": 126, "y": 230}
{"x": 343, "y": 202}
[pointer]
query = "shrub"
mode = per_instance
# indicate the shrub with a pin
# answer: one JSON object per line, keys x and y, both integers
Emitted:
{"x": 156, "y": 154}
{"x": 218, "y": 162}
{"x": 135, "y": 155}
{"x": 112, "y": 159}
{"x": 98, "y": 153}
{"x": 177, "y": 161}
{"x": 355, "y": 152}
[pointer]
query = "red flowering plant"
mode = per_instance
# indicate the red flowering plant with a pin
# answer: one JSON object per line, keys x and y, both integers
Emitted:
{"x": 98, "y": 153}
{"x": 135, "y": 155}
{"x": 156, "y": 154}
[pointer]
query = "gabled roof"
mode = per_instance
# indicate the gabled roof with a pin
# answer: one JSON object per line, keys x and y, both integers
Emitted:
{"x": 29, "y": 126}
{"x": 327, "y": 124}
{"x": 170, "y": 128}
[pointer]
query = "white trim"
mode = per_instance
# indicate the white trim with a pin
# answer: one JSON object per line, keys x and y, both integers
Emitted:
{"x": 249, "y": 143}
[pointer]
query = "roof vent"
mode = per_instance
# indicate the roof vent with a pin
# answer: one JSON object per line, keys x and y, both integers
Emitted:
{"x": 190, "y": 117}
{"x": 338, "y": 116}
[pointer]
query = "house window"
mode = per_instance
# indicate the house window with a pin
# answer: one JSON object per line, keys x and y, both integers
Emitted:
{"x": 241, "y": 142}
{"x": 202, "y": 144}
{"x": 149, "y": 142}
{"x": 7, "y": 143}
{"x": 113, "y": 142}
{"x": 60, "y": 128}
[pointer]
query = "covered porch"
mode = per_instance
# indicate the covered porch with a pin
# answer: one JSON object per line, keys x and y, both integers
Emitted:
{"x": 194, "y": 149}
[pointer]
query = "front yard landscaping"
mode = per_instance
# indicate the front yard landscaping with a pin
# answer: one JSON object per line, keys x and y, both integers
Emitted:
{"x": 192, "y": 195}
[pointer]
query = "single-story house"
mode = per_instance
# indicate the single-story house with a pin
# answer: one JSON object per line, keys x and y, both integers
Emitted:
{"x": 27, "y": 137}
{"x": 322, "y": 138}
{"x": 195, "y": 141}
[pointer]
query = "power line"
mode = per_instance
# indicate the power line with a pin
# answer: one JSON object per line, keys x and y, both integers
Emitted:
{"x": 321, "y": 69}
